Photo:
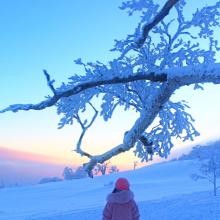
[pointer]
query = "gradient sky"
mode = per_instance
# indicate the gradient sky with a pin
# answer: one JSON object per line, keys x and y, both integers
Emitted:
{"x": 50, "y": 34}
{"x": 25, "y": 168}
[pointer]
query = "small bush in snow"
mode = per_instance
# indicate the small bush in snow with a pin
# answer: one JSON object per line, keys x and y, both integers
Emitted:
{"x": 110, "y": 183}
{"x": 113, "y": 169}
{"x": 174, "y": 159}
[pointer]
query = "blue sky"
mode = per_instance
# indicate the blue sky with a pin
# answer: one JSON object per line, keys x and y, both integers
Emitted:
{"x": 51, "y": 34}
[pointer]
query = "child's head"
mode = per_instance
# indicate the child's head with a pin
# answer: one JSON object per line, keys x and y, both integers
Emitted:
{"x": 122, "y": 184}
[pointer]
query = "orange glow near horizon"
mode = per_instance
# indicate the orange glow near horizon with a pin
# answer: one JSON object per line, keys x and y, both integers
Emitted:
{"x": 23, "y": 155}
{"x": 8, "y": 153}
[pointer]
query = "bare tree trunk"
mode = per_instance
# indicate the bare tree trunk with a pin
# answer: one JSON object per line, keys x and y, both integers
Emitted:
{"x": 215, "y": 189}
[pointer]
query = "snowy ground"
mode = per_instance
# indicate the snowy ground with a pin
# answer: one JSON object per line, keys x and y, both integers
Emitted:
{"x": 162, "y": 191}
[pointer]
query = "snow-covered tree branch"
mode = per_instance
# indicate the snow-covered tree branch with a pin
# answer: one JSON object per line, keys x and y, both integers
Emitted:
{"x": 159, "y": 58}
{"x": 84, "y": 129}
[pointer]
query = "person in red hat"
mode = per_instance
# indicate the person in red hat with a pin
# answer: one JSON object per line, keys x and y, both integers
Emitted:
{"x": 120, "y": 203}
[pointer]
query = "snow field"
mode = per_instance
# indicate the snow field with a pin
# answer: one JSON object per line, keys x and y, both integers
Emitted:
{"x": 162, "y": 191}
{"x": 195, "y": 206}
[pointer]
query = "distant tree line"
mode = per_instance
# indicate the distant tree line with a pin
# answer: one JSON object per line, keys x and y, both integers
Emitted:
{"x": 102, "y": 168}
{"x": 80, "y": 173}
{"x": 195, "y": 153}
{"x": 68, "y": 174}
{"x": 49, "y": 180}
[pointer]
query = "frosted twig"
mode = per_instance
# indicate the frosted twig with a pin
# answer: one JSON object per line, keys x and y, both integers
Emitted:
{"x": 146, "y": 29}
{"x": 84, "y": 129}
{"x": 50, "y": 82}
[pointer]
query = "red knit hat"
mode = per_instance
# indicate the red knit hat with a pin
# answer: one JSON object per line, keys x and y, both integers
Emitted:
{"x": 122, "y": 184}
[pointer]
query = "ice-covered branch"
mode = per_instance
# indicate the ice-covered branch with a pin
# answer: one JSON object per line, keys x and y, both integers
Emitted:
{"x": 177, "y": 77}
{"x": 146, "y": 28}
{"x": 151, "y": 19}
{"x": 84, "y": 129}
{"x": 201, "y": 73}
{"x": 145, "y": 80}
{"x": 147, "y": 116}
{"x": 184, "y": 75}
{"x": 84, "y": 86}
{"x": 121, "y": 98}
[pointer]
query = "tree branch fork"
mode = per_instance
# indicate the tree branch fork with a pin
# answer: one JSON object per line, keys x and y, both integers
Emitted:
{"x": 195, "y": 74}
{"x": 170, "y": 79}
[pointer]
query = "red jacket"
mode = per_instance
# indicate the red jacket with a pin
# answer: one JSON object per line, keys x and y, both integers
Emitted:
{"x": 121, "y": 206}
